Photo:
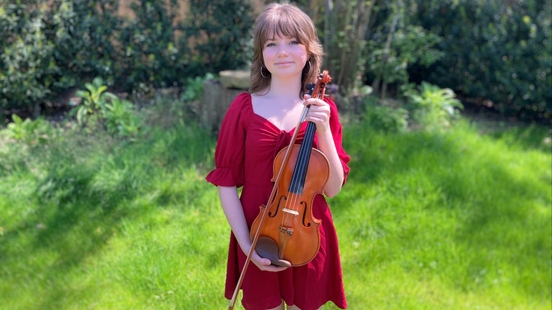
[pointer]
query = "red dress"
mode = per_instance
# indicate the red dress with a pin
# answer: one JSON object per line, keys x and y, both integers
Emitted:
{"x": 246, "y": 147}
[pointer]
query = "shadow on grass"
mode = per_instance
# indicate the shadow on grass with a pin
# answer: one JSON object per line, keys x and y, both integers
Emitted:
{"x": 523, "y": 136}
{"x": 495, "y": 208}
{"x": 73, "y": 217}
{"x": 375, "y": 155}
{"x": 81, "y": 196}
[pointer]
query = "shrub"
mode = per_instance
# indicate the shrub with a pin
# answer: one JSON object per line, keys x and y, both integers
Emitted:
{"x": 388, "y": 119}
{"x": 100, "y": 107}
{"x": 150, "y": 56}
{"x": 46, "y": 48}
{"x": 433, "y": 107}
{"x": 221, "y": 33}
{"x": 385, "y": 117}
{"x": 121, "y": 119}
{"x": 86, "y": 43}
{"x": 94, "y": 99}
{"x": 194, "y": 87}
{"x": 30, "y": 132}
{"x": 496, "y": 50}
{"x": 410, "y": 45}
{"x": 27, "y": 62}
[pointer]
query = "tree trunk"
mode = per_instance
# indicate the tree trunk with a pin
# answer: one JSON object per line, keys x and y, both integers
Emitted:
{"x": 329, "y": 30}
{"x": 385, "y": 56}
{"x": 346, "y": 25}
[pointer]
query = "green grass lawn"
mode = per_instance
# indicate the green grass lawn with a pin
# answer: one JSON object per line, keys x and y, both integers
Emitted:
{"x": 444, "y": 220}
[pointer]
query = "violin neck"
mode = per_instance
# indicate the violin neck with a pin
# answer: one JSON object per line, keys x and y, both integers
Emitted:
{"x": 301, "y": 165}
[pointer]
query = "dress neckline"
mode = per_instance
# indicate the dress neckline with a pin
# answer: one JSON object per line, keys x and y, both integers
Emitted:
{"x": 266, "y": 121}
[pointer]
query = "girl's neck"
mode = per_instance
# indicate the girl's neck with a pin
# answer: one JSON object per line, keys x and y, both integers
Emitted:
{"x": 285, "y": 87}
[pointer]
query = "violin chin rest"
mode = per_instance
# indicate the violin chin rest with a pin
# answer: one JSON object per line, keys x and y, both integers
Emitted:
{"x": 267, "y": 248}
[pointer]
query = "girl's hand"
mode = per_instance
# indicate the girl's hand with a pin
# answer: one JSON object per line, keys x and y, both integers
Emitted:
{"x": 319, "y": 113}
{"x": 264, "y": 263}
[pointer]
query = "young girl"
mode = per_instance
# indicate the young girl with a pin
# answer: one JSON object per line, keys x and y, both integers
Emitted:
{"x": 287, "y": 56}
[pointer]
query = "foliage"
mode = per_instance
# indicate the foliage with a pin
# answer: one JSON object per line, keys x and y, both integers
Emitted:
{"x": 194, "y": 87}
{"x": 427, "y": 107}
{"x": 221, "y": 31}
{"x": 496, "y": 50}
{"x": 27, "y": 60}
{"x": 94, "y": 99}
{"x": 410, "y": 45}
{"x": 494, "y": 53}
{"x": 344, "y": 30}
{"x": 86, "y": 42}
{"x": 488, "y": 52}
{"x": 121, "y": 119}
{"x": 104, "y": 108}
{"x": 433, "y": 107}
{"x": 29, "y": 132}
{"x": 151, "y": 56}
{"x": 48, "y": 48}
{"x": 385, "y": 118}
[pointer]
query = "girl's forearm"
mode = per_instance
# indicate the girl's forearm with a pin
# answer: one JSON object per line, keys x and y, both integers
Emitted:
{"x": 327, "y": 146}
{"x": 231, "y": 205}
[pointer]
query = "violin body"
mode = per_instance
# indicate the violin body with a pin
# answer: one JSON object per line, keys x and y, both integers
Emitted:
{"x": 290, "y": 234}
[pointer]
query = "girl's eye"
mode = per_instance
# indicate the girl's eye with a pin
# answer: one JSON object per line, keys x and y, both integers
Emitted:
{"x": 270, "y": 44}
{"x": 294, "y": 42}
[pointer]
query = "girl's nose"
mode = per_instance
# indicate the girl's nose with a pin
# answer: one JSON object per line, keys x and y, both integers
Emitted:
{"x": 283, "y": 51}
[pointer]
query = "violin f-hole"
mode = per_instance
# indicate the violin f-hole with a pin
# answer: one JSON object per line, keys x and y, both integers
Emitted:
{"x": 305, "y": 215}
{"x": 277, "y": 207}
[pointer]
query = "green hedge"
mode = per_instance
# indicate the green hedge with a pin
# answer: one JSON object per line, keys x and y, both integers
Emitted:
{"x": 499, "y": 52}
{"x": 493, "y": 51}
{"x": 48, "y": 47}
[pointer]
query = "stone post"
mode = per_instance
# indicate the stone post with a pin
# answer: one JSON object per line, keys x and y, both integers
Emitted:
{"x": 219, "y": 94}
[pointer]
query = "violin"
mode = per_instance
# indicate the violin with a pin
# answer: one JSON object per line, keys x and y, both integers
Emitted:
{"x": 285, "y": 231}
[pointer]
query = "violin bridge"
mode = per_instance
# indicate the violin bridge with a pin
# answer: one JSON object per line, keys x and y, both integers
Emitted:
{"x": 290, "y": 211}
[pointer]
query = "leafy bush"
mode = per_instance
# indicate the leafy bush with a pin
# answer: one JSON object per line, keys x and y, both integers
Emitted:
{"x": 121, "y": 119}
{"x": 385, "y": 115}
{"x": 27, "y": 62}
{"x": 433, "y": 107}
{"x": 411, "y": 45}
{"x": 86, "y": 41}
{"x": 194, "y": 87}
{"x": 104, "y": 108}
{"x": 221, "y": 33}
{"x": 46, "y": 48}
{"x": 94, "y": 100}
{"x": 496, "y": 50}
{"x": 28, "y": 131}
{"x": 387, "y": 119}
{"x": 427, "y": 107}
{"x": 151, "y": 57}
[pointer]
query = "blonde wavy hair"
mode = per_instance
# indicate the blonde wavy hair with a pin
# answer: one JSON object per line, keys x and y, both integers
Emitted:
{"x": 284, "y": 20}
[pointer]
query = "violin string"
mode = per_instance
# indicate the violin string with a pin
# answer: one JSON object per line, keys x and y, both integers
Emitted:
{"x": 303, "y": 165}
{"x": 291, "y": 201}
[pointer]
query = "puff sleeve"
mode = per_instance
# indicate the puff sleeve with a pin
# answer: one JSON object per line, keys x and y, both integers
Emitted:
{"x": 337, "y": 134}
{"x": 230, "y": 149}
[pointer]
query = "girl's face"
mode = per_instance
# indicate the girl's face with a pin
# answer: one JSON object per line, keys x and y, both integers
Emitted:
{"x": 284, "y": 56}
